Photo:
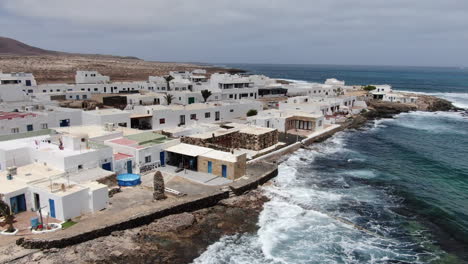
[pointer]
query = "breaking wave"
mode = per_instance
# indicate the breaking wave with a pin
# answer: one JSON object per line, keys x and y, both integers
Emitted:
{"x": 323, "y": 210}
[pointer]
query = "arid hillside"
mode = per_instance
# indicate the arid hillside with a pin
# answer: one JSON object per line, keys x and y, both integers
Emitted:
{"x": 54, "y": 67}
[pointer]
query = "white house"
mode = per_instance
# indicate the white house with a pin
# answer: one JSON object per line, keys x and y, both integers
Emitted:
{"x": 18, "y": 78}
{"x": 286, "y": 120}
{"x": 106, "y": 116}
{"x": 400, "y": 98}
{"x": 141, "y": 152}
{"x": 90, "y": 77}
{"x": 37, "y": 186}
{"x": 38, "y": 117}
{"x": 161, "y": 117}
{"x": 381, "y": 90}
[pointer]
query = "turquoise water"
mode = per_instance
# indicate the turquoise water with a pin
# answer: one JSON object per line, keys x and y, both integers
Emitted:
{"x": 393, "y": 192}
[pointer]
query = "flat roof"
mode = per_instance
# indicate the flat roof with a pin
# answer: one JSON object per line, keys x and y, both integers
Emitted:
{"x": 42, "y": 132}
{"x": 121, "y": 156}
{"x": 148, "y": 138}
{"x": 217, "y": 133}
{"x": 108, "y": 111}
{"x": 249, "y": 129}
{"x": 14, "y": 115}
{"x": 25, "y": 175}
{"x": 188, "y": 150}
{"x": 91, "y": 130}
{"x": 220, "y": 155}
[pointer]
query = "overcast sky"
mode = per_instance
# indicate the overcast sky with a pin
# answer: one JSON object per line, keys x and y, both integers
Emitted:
{"x": 362, "y": 32}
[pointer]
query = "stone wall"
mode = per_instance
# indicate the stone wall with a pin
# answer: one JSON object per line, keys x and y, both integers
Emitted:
{"x": 238, "y": 188}
{"x": 257, "y": 142}
{"x": 188, "y": 206}
{"x": 235, "y": 140}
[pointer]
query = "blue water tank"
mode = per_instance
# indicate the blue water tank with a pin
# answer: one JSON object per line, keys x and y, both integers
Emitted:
{"x": 34, "y": 222}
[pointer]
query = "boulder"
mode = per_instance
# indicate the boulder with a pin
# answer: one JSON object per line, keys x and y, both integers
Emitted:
{"x": 158, "y": 184}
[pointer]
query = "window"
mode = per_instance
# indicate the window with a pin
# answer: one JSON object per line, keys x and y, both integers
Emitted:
{"x": 44, "y": 91}
{"x": 58, "y": 90}
{"x": 251, "y": 94}
{"x": 96, "y": 89}
{"x": 29, "y": 128}
{"x": 85, "y": 96}
{"x": 82, "y": 89}
{"x": 89, "y": 89}
{"x": 122, "y": 124}
{"x": 44, "y": 126}
{"x": 232, "y": 110}
{"x": 147, "y": 159}
{"x": 231, "y": 96}
{"x": 182, "y": 120}
{"x": 193, "y": 116}
{"x": 80, "y": 167}
{"x": 207, "y": 115}
{"x": 15, "y": 130}
{"x": 162, "y": 120}
{"x": 64, "y": 123}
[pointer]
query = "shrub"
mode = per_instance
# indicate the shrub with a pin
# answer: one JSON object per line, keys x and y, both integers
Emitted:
{"x": 252, "y": 112}
{"x": 369, "y": 88}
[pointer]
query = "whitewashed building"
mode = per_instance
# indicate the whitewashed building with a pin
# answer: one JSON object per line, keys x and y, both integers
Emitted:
{"x": 161, "y": 117}
{"x": 36, "y": 186}
{"x": 38, "y": 117}
{"x": 90, "y": 77}
{"x": 286, "y": 120}
{"x": 17, "y": 78}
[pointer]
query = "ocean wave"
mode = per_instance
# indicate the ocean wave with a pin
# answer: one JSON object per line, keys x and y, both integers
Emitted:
{"x": 307, "y": 223}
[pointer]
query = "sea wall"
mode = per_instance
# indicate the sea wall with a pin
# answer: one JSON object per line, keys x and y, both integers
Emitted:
{"x": 239, "y": 188}
{"x": 188, "y": 206}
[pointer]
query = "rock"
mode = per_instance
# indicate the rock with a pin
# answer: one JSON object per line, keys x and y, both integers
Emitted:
{"x": 158, "y": 184}
{"x": 20, "y": 241}
{"x": 37, "y": 256}
{"x": 116, "y": 253}
{"x": 53, "y": 250}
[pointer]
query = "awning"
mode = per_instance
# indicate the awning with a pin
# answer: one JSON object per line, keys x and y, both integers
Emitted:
{"x": 188, "y": 150}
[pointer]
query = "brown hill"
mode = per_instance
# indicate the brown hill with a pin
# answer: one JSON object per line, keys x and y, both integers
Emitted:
{"x": 10, "y": 46}
{"x": 53, "y": 66}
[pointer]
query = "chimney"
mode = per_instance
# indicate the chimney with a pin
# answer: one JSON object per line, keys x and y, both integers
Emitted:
{"x": 11, "y": 171}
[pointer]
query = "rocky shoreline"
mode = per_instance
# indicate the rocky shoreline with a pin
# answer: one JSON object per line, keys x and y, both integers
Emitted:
{"x": 183, "y": 237}
{"x": 173, "y": 239}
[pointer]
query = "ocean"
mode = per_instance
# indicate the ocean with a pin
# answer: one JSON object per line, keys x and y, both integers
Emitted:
{"x": 395, "y": 191}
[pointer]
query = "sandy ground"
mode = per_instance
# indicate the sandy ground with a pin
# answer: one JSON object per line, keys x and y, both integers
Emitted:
{"x": 61, "y": 69}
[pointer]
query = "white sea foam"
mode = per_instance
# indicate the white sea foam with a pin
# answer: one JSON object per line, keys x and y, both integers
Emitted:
{"x": 297, "y": 226}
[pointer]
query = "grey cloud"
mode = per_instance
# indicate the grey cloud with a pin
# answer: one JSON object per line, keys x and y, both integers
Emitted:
{"x": 295, "y": 31}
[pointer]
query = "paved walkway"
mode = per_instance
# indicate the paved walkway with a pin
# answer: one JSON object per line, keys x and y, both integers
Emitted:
{"x": 195, "y": 176}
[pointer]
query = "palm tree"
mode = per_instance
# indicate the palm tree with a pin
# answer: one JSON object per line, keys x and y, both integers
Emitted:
{"x": 168, "y": 79}
{"x": 205, "y": 94}
{"x": 6, "y": 212}
{"x": 169, "y": 98}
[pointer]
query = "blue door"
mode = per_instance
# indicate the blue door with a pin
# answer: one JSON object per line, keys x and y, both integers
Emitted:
{"x": 224, "y": 170}
{"x": 129, "y": 166}
{"x": 210, "y": 167}
{"x": 162, "y": 158}
{"x": 107, "y": 166}
{"x": 18, "y": 204}
{"x": 52, "y": 208}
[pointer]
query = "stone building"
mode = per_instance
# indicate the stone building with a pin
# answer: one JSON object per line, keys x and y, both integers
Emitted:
{"x": 234, "y": 136}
